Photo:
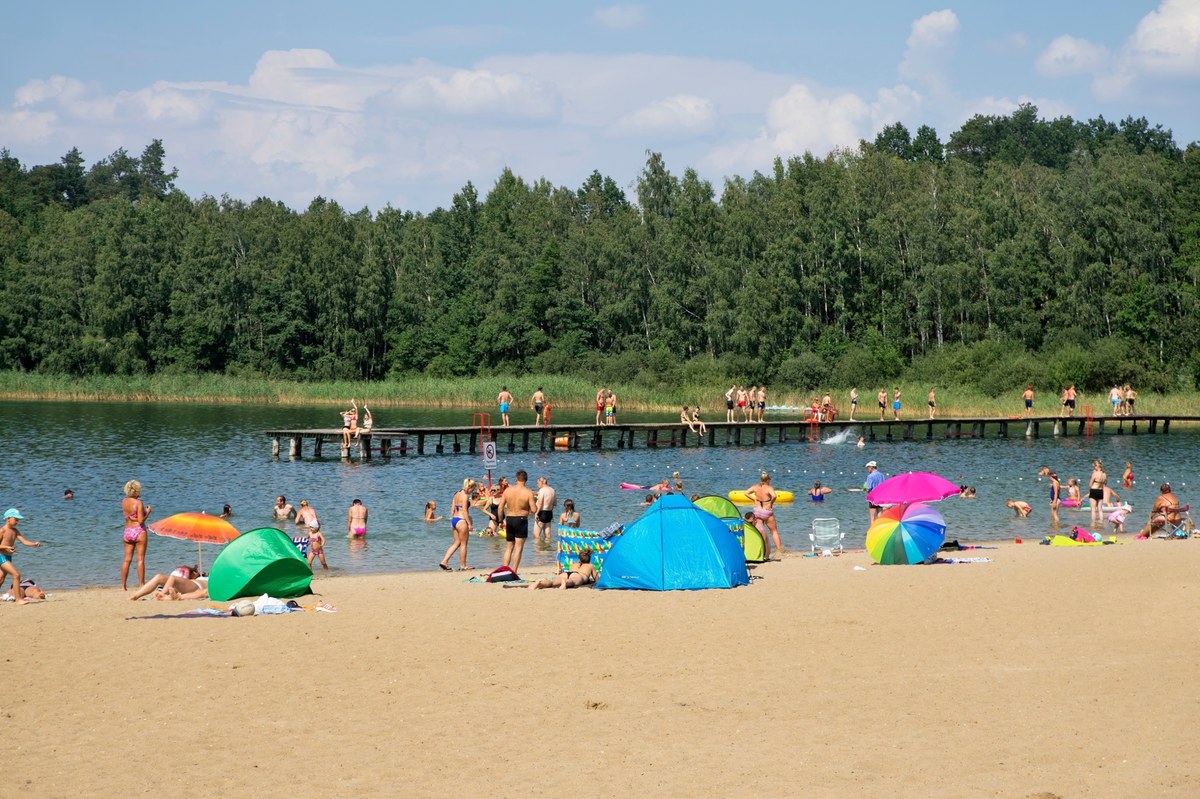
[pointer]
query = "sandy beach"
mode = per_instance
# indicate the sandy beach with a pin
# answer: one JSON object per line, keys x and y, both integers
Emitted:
{"x": 1047, "y": 672}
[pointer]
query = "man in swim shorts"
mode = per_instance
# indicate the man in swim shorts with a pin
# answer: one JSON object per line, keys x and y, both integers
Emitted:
{"x": 538, "y": 403}
{"x": 1070, "y": 401}
{"x": 504, "y": 399}
{"x": 1028, "y": 397}
{"x": 853, "y": 402}
{"x": 762, "y": 402}
{"x": 519, "y": 503}
{"x": 547, "y": 499}
{"x": 600, "y": 396}
{"x": 881, "y": 398}
{"x": 356, "y": 520}
{"x": 729, "y": 402}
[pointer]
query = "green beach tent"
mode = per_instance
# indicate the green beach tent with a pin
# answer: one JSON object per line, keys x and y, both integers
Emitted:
{"x": 751, "y": 539}
{"x": 262, "y": 561}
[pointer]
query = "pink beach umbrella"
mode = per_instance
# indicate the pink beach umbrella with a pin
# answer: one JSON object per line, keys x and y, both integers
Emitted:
{"x": 912, "y": 487}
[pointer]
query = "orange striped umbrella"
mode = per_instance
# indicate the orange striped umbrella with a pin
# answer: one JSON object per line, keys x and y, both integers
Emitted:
{"x": 198, "y": 527}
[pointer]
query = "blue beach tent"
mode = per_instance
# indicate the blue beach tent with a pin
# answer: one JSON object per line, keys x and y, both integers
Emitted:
{"x": 675, "y": 545}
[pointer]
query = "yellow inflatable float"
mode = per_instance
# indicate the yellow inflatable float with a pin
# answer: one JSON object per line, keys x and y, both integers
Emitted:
{"x": 742, "y": 498}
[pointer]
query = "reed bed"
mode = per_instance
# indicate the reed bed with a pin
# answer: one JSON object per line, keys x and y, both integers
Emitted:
{"x": 562, "y": 391}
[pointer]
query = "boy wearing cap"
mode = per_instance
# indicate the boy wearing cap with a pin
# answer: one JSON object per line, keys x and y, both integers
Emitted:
{"x": 874, "y": 478}
{"x": 9, "y": 535}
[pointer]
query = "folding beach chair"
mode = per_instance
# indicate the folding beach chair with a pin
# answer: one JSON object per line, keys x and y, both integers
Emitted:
{"x": 1179, "y": 522}
{"x": 827, "y": 536}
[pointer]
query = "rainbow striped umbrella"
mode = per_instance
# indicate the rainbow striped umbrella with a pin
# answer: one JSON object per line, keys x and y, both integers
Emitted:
{"x": 906, "y": 533}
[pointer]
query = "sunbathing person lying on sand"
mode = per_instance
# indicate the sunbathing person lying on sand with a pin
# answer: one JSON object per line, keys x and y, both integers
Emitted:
{"x": 183, "y": 583}
{"x": 584, "y": 575}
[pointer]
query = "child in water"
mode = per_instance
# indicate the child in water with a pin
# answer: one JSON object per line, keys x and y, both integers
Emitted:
{"x": 316, "y": 548}
{"x": 431, "y": 512}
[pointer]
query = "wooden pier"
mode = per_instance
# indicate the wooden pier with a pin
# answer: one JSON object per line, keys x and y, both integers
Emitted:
{"x": 403, "y": 442}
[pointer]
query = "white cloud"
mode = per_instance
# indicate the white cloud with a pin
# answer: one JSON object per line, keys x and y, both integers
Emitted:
{"x": 1048, "y": 108}
{"x": 928, "y": 48}
{"x": 803, "y": 119}
{"x": 1167, "y": 40}
{"x": 482, "y": 92}
{"x": 1067, "y": 55}
{"x": 680, "y": 114}
{"x": 620, "y": 17}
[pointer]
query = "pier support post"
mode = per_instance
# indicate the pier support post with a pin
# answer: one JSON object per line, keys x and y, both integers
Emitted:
{"x": 317, "y": 445}
{"x": 275, "y": 446}
{"x": 345, "y": 451}
{"x": 1004, "y": 429}
{"x": 385, "y": 447}
{"x": 295, "y": 449}
{"x": 524, "y": 442}
{"x": 420, "y": 443}
{"x": 364, "y": 447}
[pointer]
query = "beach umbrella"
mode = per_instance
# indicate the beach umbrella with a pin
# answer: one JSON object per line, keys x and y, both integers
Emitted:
{"x": 912, "y": 487}
{"x": 906, "y": 533}
{"x": 198, "y": 527}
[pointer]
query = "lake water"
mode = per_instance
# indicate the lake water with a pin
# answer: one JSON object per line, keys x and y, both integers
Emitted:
{"x": 198, "y": 457}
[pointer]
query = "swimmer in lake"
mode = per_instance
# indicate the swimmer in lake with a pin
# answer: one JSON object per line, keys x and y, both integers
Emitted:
{"x": 431, "y": 512}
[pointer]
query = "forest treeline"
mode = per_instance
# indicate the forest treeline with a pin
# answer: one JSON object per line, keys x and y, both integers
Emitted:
{"x": 1020, "y": 250}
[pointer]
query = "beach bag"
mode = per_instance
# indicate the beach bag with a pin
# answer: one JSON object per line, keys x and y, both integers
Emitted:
{"x": 502, "y": 574}
{"x": 1079, "y": 534}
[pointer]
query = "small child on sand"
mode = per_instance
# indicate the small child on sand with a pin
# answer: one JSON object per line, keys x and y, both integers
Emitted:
{"x": 1117, "y": 517}
{"x": 753, "y": 521}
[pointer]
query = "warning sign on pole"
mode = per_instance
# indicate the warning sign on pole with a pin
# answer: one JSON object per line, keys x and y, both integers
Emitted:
{"x": 489, "y": 455}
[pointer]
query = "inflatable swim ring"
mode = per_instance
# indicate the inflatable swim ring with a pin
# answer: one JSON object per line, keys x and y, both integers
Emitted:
{"x": 740, "y": 497}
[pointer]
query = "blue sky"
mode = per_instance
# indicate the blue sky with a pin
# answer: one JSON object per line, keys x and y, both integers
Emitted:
{"x": 371, "y": 103}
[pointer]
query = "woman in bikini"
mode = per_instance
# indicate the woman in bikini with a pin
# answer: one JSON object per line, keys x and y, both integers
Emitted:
{"x": 764, "y": 509}
{"x": 134, "y": 536}
{"x": 185, "y": 582}
{"x": 818, "y": 492}
{"x": 460, "y": 523}
{"x": 585, "y": 574}
{"x": 570, "y": 516}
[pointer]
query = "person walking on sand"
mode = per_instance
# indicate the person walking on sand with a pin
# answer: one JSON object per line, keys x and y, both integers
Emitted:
{"x": 504, "y": 399}
{"x": 601, "y": 395}
{"x": 538, "y": 403}
{"x": 460, "y": 525}
{"x": 547, "y": 501}
{"x": 1028, "y": 397}
{"x": 932, "y": 402}
{"x": 881, "y": 398}
{"x": 764, "y": 507}
{"x": 853, "y": 402}
{"x": 134, "y": 535}
{"x": 356, "y": 520}
{"x": 9, "y": 537}
{"x": 519, "y": 503}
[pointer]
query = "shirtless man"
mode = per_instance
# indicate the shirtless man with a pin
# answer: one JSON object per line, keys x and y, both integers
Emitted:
{"x": 741, "y": 401}
{"x": 538, "y": 403}
{"x": 504, "y": 399}
{"x": 516, "y": 508}
{"x": 600, "y": 397}
{"x": 932, "y": 402}
{"x": 1028, "y": 397}
{"x": 896, "y": 403}
{"x": 282, "y": 511}
{"x": 356, "y": 520}
{"x": 1070, "y": 401}
{"x": 547, "y": 500}
{"x": 610, "y": 409}
{"x": 853, "y": 402}
{"x": 881, "y": 398}
{"x": 729, "y": 400}
{"x": 762, "y": 402}
{"x": 1020, "y": 508}
{"x": 9, "y": 536}
{"x": 764, "y": 509}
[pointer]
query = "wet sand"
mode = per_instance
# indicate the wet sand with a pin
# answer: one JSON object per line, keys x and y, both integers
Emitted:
{"x": 1046, "y": 672}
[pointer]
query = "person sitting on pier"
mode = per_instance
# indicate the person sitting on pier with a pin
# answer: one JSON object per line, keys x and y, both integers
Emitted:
{"x": 349, "y": 422}
{"x": 366, "y": 425}
{"x": 685, "y": 419}
{"x": 700, "y": 425}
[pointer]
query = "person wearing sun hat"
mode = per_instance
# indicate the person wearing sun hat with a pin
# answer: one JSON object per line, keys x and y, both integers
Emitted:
{"x": 874, "y": 478}
{"x": 9, "y": 535}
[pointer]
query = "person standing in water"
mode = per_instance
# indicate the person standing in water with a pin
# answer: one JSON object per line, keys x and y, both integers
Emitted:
{"x": 1096, "y": 485}
{"x": 356, "y": 520}
{"x": 764, "y": 507}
